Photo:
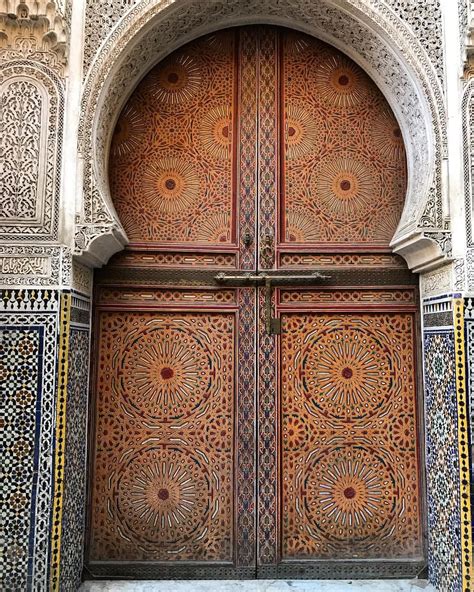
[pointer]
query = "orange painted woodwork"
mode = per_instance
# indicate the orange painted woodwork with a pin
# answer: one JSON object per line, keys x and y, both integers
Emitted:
{"x": 163, "y": 481}
{"x": 349, "y": 455}
{"x": 220, "y": 449}
{"x": 171, "y": 156}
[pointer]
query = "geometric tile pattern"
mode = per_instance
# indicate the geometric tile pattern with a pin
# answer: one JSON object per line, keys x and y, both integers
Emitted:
{"x": 74, "y": 500}
{"x": 442, "y": 462}
{"x": 28, "y": 372}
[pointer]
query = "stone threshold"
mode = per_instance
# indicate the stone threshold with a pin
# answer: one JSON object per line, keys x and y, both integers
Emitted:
{"x": 259, "y": 586}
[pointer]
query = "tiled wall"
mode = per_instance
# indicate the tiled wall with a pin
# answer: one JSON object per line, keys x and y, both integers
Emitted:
{"x": 29, "y": 320}
{"x": 442, "y": 401}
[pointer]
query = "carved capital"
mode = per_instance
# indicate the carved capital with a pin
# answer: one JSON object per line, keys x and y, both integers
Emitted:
{"x": 95, "y": 244}
{"x": 33, "y": 27}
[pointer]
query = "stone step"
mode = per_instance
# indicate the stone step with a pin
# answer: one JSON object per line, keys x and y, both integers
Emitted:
{"x": 259, "y": 586}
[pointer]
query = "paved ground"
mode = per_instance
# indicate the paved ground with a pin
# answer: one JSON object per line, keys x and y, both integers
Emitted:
{"x": 260, "y": 586}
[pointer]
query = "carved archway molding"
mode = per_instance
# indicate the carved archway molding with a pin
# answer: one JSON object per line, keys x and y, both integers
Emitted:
{"x": 367, "y": 30}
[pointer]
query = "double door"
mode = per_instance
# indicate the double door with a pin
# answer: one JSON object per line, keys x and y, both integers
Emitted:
{"x": 254, "y": 394}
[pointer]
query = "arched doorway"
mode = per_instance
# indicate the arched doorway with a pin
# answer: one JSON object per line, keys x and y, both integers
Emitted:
{"x": 255, "y": 386}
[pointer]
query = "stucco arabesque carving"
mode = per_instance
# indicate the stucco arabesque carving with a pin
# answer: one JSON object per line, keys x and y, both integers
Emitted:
{"x": 31, "y": 265}
{"x": 368, "y": 30}
{"x": 33, "y": 97}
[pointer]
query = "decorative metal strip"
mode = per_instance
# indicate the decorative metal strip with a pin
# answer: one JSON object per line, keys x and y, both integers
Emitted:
{"x": 463, "y": 446}
{"x": 60, "y": 439}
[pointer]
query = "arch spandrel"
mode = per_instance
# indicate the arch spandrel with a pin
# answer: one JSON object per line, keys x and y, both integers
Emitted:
{"x": 369, "y": 33}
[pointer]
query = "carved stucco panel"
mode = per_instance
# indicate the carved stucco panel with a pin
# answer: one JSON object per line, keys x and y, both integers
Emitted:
{"x": 28, "y": 265}
{"x": 31, "y": 124}
{"x": 24, "y": 107}
{"x": 436, "y": 282}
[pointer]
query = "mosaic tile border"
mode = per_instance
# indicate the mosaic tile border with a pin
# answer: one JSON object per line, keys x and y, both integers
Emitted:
{"x": 74, "y": 497}
{"x": 442, "y": 469}
{"x": 463, "y": 445}
{"x": 60, "y": 438}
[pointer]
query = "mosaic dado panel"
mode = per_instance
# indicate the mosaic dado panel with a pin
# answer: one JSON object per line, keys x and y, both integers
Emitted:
{"x": 74, "y": 499}
{"x": 447, "y": 443}
{"x": 469, "y": 324}
{"x": 442, "y": 464}
{"x": 29, "y": 321}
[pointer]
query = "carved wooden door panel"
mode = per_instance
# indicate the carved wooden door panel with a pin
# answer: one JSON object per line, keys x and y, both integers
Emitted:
{"x": 254, "y": 410}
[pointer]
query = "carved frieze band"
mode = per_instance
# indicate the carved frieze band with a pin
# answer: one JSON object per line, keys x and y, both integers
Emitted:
{"x": 25, "y": 265}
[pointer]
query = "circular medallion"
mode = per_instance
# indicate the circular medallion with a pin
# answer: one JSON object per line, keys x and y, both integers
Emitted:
{"x": 340, "y": 83}
{"x": 345, "y": 188}
{"x": 302, "y": 226}
{"x": 177, "y": 80}
{"x": 170, "y": 186}
{"x": 129, "y": 134}
{"x": 386, "y": 136}
{"x": 346, "y": 373}
{"x": 162, "y": 495}
{"x": 167, "y": 372}
{"x": 304, "y": 133}
{"x": 213, "y": 228}
{"x": 351, "y": 493}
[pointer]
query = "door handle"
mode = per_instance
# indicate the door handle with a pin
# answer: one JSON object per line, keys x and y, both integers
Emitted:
{"x": 269, "y": 280}
{"x": 259, "y": 278}
{"x": 266, "y": 251}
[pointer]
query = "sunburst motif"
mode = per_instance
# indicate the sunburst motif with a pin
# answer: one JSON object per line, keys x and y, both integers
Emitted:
{"x": 215, "y": 132}
{"x": 346, "y": 373}
{"x": 171, "y": 186}
{"x": 350, "y": 494}
{"x": 302, "y": 227}
{"x": 163, "y": 494}
{"x": 387, "y": 136}
{"x": 340, "y": 83}
{"x": 301, "y": 132}
{"x": 168, "y": 372}
{"x": 129, "y": 133}
{"x": 214, "y": 228}
{"x": 296, "y": 44}
{"x": 175, "y": 81}
{"x": 345, "y": 188}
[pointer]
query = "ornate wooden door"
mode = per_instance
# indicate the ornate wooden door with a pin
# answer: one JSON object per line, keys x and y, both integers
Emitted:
{"x": 254, "y": 408}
